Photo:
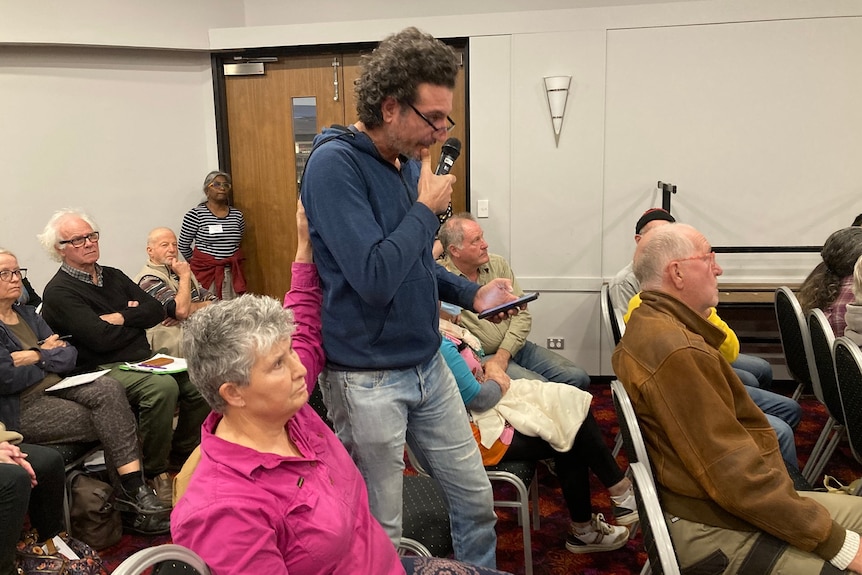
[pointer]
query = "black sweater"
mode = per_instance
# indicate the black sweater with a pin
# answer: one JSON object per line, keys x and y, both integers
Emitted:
{"x": 73, "y": 307}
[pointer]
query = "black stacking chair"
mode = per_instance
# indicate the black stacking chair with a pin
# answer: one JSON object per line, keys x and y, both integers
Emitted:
{"x": 662, "y": 559}
{"x": 523, "y": 477}
{"x": 796, "y": 342}
{"x": 168, "y": 559}
{"x": 848, "y": 371}
{"x": 614, "y": 330}
{"x": 822, "y": 341}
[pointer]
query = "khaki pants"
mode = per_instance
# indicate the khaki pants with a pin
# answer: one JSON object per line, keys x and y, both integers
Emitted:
{"x": 695, "y": 542}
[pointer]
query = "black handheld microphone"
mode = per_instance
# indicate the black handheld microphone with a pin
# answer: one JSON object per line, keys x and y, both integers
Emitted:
{"x": 450, "y": 152}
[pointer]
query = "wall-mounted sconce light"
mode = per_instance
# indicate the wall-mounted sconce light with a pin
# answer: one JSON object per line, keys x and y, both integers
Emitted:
{"x": 557, "y": 88}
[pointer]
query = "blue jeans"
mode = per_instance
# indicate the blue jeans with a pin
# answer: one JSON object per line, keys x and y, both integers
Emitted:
{"x": 375, "y": 412}
{"x": 535, "y": 362}
{"x": 757, "y": 367}
{"x": 782, "y": 413}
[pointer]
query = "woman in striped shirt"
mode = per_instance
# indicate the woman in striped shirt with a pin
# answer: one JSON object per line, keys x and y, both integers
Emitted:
{"x": 216, "y": 229}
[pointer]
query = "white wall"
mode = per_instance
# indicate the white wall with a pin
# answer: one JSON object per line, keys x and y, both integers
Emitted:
{"x": 176, "y": 24}
{"x": 114, "y": 128}
{"x": 127, "y": 135}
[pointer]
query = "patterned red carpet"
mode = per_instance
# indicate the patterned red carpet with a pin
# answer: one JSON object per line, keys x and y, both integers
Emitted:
{"x": 549, "y": 553}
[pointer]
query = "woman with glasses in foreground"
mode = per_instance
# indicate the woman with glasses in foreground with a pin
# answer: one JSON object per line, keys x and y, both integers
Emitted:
{"x": 32, "y": 357}
{"x": 210, "y": 236}
{"x": 275, "y": 491}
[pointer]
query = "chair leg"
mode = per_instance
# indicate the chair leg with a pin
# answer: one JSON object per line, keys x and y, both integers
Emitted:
{"x": 837, "y": 433}
{"x": 647, "y": 568}
{"x": 618, "y": 444}
{"x": 524, "y": 512}
{"x": 817, "y": 450}
{"x": 798, "y": 392}
{"x": 534, "y": 496}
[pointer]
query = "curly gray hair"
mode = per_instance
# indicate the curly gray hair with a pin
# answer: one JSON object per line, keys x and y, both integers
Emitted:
{"x": 222, "y": 341}
{"x": 395, "y": 69}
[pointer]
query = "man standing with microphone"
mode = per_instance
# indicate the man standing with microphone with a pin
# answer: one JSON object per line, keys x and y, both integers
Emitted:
{"x": 372, "y": 210}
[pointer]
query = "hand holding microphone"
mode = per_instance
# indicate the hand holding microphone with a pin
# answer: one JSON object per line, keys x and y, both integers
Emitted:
{"x": 435, "y": 191}
{"x": 449, "y": 153}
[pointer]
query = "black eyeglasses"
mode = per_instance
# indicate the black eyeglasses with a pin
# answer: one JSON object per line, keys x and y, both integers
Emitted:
{"x": 79, "y": 241}
{"x": 8, "y": 275}
{"x": 430, "y": 123}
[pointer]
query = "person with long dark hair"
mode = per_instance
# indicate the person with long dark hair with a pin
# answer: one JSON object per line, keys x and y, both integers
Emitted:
{"x": 829, "y": 286}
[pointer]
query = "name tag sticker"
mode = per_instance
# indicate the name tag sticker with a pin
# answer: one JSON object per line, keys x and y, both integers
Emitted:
{"x": 215, "y": 229}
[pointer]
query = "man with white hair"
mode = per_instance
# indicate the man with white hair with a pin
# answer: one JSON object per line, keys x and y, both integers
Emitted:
{"x": 731, "y": 505}
{"x": 107, "y": 315}
{"x": 171, "y": 281}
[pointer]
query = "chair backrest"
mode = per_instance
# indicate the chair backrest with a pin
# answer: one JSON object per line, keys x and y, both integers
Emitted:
{"x": 633, "y": 439}
{"x": 795, "y": 339}
{"x": 142, "y": 560}
{"x": 822, "y": 342}
{"x": 657, "y": 541}
{"x": 617, "y": 321}
{"x": 608, "y": 318}
{"x": 848, "y": 371}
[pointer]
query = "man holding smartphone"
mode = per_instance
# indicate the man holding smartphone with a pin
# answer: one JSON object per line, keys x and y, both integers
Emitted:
{"x": 465, "y": 252}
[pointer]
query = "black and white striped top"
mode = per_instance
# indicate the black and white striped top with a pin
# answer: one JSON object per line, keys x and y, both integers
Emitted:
{"x": 218, "y": 237}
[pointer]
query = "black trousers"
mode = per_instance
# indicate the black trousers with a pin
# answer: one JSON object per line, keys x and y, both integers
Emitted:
{"x": 589, "y": 451}
{"x": 45, "y": 501}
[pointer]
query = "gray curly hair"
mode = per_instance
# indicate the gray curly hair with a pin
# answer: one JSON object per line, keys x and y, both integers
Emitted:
{"x": 397, "y": 66}
{"x": 222, "y": 341}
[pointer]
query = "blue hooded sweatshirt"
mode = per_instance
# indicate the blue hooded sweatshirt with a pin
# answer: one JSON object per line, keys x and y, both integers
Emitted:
{"x": 372, "y": 246}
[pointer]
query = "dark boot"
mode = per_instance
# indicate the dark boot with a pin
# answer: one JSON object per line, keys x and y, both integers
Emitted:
{"x": 142, "y": 511}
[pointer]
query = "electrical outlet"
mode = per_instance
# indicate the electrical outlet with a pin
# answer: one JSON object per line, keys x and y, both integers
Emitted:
{"x": 556, "y": 343}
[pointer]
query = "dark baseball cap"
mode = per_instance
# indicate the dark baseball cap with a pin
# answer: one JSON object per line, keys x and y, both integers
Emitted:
{"x": 652, "y": 215}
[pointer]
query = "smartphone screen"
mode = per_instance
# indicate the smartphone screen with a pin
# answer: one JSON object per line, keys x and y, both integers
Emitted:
{"x": 527, "y": 297}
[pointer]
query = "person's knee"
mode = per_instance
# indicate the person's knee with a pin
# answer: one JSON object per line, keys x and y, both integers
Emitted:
{"x": 580, "y": 378}
{"x": 748, "y": 379}
{"x": 161, "y": 390}
{"x": 794, "y": 413}
{"x": 14, "y": 483}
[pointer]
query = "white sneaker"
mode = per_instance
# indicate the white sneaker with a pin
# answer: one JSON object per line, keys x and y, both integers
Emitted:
{"x": 597, "y": 536}
{"x": 625, "y": 507}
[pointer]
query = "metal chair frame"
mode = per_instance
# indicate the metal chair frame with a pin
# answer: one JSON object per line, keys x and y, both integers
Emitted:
{"x": 142, "y": 560}
{"x": 799, "y": 358}
{"x": 525, "y": 495}
{"x": 614, "y": 328}
{"x": 822, "y": 342}
{"x": 848, "y": 371}
{"x": 633, "y": 441}
{"x": 659, "y": 546}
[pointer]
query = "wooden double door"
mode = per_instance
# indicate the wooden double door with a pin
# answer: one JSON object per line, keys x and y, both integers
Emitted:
{"x": 271, "y": 119}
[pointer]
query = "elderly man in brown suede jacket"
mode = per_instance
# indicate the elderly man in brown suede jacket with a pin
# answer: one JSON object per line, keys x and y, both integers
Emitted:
{"x": 730, "y": 504}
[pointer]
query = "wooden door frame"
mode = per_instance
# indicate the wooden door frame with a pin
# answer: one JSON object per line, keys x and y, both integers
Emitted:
{"x": 218, "y": 59}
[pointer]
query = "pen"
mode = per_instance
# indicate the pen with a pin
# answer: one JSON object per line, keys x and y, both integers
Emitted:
{"x": 41, "y": 341}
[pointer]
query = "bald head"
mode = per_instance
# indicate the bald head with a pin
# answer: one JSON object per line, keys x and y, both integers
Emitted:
{"x": 678, "y": 260}
{"x": 162, "y": 246}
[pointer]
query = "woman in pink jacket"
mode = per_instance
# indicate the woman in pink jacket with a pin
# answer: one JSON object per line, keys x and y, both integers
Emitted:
{"x": 275, "y": 491}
